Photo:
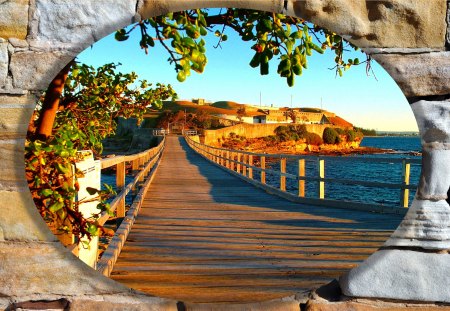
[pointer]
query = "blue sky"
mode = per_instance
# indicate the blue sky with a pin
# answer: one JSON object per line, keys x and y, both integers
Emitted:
{"x": 358, "y": 98}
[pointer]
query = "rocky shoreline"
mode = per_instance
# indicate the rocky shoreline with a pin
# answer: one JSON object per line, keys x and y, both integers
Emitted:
{"x": 260, "y": 145}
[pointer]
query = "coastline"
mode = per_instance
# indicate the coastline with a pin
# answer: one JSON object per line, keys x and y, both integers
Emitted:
{"x": 257, "y": 145}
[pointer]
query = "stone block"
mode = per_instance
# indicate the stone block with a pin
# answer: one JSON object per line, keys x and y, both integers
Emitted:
{"x": 426, "y": 225}
{"x": 4, "y": 59}
{"x": 418, "y": 74}
{"x": 432, "y": 119}
{"x": 434, "y": 127}
{"x": 40, "y": 68}
{"x": 14, "y": 19}
{"x": 143, "y": 304}
{"x": 272, "y": 305}
{"x": 20, "y": 219}
{"x": 48, "y": 268}
{"x": 77, "y": 25}
{"x": 399, "y": 23}
{"x": 400, "y": 275}
{"x": 371, "y": 305}
{"x": 150, "y": 8}
{"x": 15, "y": 115}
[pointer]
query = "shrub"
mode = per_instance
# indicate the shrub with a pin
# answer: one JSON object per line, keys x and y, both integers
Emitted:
{"x": 339, "y": 130}
{"x": 294, "y": 136}
{"x": 313, "y": 139}
{"x": 330, "y": 136}
{"x": 351, "y": 135}
{"x": 281, "y": 130}
{"x": 299, "y": 129}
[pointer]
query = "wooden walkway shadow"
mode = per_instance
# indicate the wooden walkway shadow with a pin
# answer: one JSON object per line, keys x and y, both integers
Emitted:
{"x": 204, "y": 235}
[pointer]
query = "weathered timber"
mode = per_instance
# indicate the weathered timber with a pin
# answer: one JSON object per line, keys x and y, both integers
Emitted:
{"x": 204, "y": 235}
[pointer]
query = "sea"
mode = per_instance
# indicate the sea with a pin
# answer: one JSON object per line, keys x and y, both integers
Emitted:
{"x": 360, "y": 168}
{"x": 351, "y": 167}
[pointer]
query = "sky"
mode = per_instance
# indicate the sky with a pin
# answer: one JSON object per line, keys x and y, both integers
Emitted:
{"x": 360, "y": 99}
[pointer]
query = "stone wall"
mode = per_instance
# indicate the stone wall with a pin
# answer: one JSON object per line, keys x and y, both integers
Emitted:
{"x": 254, "y": 131}
{"x": 39, "y": 37}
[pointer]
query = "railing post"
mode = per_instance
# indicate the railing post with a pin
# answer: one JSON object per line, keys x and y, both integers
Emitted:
{"x": 232, "y": 161}
{"x": 250, "y": 166}
{"x": 301, "y": 182}
{"x": 263, "y": 169}
{"x": 238, "y": 165}
{"x": 282, "y": 176}
{"x": 404, "y": 194}
{"x": 227, "y": 162}
{"x": 244, "y": 166}
{"x": 120, "y": 184}
{"x": 321, "y": 173}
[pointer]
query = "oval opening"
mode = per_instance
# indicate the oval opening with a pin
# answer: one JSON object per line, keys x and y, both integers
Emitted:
{"x": 210, "y": 236}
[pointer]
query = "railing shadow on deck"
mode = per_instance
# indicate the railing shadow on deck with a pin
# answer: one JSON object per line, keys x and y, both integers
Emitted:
{"x": 258, "y": 198}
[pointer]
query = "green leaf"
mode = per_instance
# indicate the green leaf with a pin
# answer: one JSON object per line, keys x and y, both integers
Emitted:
{"x": 56, "y": 207}
{"x": 46, "y": 192}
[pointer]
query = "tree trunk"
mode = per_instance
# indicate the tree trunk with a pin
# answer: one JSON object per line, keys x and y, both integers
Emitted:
{"x": 51, "y": 104}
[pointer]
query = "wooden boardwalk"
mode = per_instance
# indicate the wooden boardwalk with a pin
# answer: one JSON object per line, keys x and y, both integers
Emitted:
{"x": 204, "y": 235}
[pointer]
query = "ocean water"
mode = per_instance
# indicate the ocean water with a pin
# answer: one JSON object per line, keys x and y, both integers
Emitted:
{"x": 357, "y": 167}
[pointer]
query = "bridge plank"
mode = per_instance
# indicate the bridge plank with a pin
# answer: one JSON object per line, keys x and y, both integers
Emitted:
{"x": 205, "y": 236}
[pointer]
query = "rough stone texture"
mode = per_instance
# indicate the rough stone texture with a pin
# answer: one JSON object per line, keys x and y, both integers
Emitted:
{"x": 434, "y": 127}
{"x": 78, "y": 24}
{"x": 426, "y": 225}
{"x": 274, "y": 305}
{"x": 149, "y": 8}
{"x": 40, "y": 69}
{"x": 433, "y": 120}
{"x": 20, "y": 219}
{"x": 50, "y": 270}
{"x": 370, "y": 23}
{"x": 4, "y": 58}
{"x": 418, "y": 74}
{"x": 15, "y": 114}
{"x": 368, "y": 305}
{"x": 401, "y": 275}
{"x": 117, "y": 304}
{"x": 14, "y": 18}
{"x": 448, "y": 24}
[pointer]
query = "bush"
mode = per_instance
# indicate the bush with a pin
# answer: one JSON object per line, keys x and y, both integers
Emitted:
{"x": 330, "y": 136}
{"x": 313, "y": 139}
{"x": 281, "y": 130}
{"x": 339, "y": 130}
{"x": 351, "y": 135}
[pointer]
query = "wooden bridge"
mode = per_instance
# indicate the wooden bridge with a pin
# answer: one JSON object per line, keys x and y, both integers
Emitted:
{"x": 205, "y": 235}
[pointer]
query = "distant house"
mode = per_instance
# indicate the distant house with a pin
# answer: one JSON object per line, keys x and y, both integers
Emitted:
{"x": 200, "y": 101}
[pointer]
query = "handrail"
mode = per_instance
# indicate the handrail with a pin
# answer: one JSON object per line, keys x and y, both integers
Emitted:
{"x": 242, "y": 163}
{"x": 106, "y": 263}
{"x": 141, "y": 163}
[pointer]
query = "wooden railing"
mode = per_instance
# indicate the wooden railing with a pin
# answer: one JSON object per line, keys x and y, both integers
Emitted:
{"x": 142, "y": 165}
{"x": 245, "y": 164}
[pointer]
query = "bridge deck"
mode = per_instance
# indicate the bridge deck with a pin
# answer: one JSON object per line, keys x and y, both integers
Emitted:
{"x": 204, "y": 235}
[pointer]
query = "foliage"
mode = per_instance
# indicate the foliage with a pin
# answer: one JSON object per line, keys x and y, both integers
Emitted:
{"x": 241, "y": 113}
{"x": 94, "y": 98}
{"x": 53, "y": 185}
{"x": 91, "y": 101}
{"x": 351, "y": 135}
{"x": 290, "y": 132}
{"x": 366, "y": 132}
{"x": 288, "y": 39}
{"x": 313, "y": 139}
{"x": 331, "y": 136}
